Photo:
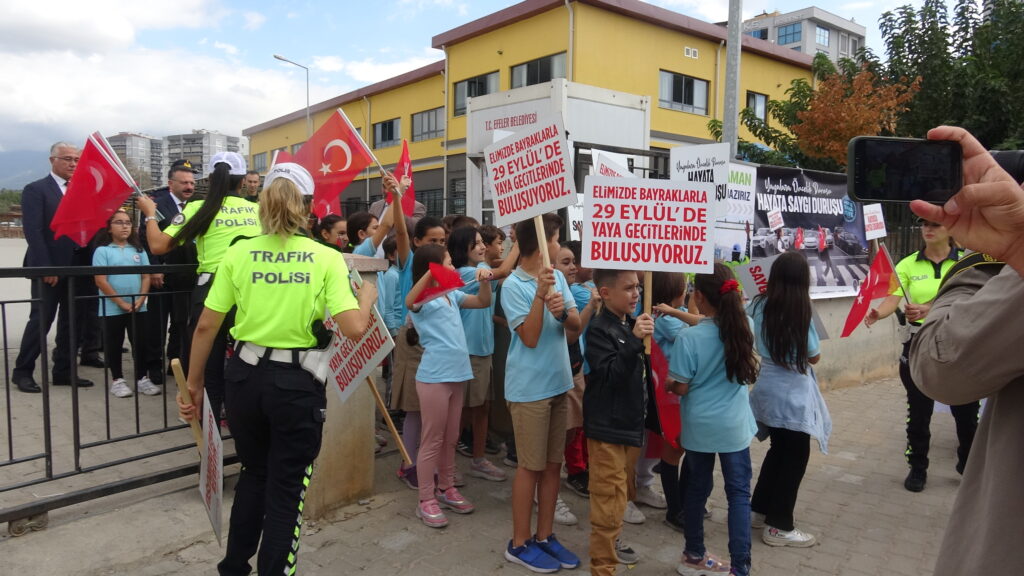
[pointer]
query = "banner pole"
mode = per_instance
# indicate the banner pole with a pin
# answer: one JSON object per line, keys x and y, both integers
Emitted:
{"x": 179, "y": 377}
{"x": 648, "y": 283}
{"x": 387, "y": 420}
{"x": 542, "y": 244}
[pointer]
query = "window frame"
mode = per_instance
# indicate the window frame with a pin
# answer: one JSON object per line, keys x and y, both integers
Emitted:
{"x": 682, "y": 105}
{"x": 764, "y": 109}
{"x": 485, "y": 79}
{"x": 396, "y": 133}
{"x": 436, "y": 115}
{"x": 820, "y": 31}
{"x": 791, "y": 32}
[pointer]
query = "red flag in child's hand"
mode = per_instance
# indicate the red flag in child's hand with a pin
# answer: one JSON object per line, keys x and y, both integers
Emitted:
{"x": 334, "y": 155}
{"x": 667, "y": 403}
{"x": 448, "y": 280}
{"x": 96, "y": 190}
{"x": 404, "y": 167}
{"x": 880, "y": 282}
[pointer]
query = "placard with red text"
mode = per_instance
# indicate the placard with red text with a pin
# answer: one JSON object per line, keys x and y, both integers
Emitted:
{"x": 350, "y": 362}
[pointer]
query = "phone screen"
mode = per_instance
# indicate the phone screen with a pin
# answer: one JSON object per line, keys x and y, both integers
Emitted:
{"x": 903, "y": 169}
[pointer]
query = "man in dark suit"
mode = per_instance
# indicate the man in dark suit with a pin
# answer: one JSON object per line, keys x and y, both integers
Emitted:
{"x": 39, "y": 201}
{"x": 169, "y": 294}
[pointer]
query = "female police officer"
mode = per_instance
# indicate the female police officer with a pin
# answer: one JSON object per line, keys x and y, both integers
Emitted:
{"x": 920, "y": 274}
{"x": 281, "y": 283}
{"x": 214, "y": 223}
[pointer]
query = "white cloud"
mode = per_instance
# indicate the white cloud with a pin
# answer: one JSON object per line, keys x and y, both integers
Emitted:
{"x": 369, "y": 70}
{"x": 227, "y": 48}
{"x": 253, "y": 20}
{"x": 328, "y": 63}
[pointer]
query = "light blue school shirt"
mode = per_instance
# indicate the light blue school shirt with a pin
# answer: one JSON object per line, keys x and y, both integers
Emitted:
{"x": 366, "y": 248}
{"x": 581, "y": 293}
{"x": 125, "y": 285}
{"x": 666, "y": 330}
{"x": 478, "y": 323}
{"x": 716, "y": 411}
{"x": 533, "y": 374}
{"x": 404, "y": 287}
{"x": 756, "y": 312}
{"x": 392, "y": 310}
{"x": 445, "y": 358}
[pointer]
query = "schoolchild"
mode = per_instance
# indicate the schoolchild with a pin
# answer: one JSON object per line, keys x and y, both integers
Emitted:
{"x": 712, "y": 364}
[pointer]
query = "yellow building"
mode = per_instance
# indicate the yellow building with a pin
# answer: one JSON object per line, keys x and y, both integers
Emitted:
{"x": 622, "y": 45}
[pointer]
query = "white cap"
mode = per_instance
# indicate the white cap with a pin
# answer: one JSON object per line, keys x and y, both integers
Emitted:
{"x": 291, "y": 171}
{"x": 232, "y": 159}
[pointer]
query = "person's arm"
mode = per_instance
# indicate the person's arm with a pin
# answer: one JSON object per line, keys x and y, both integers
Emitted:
{"x": 508, "y": 264}
{"x": 402, "y": 250}
{"x": 529, "y": 330}
{"x": 969, "y": 348}
{"x": 104, "y": 285}
{"x": 884, "y": 310}
{"x": 159, "y": 241}
{"x": 385, "y": 226}
{"x": 481, "y": 299}
{"x": 416, "y": 290}
{"x": 202, "y": 341}
{"x": 354, "y": 322}
{"x": 143, "y": 293}
{"x": 690, "y": 319}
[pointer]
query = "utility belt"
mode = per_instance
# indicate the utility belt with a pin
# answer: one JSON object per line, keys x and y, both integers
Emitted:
{"x": 908, "y": 330}
{"x": 311, "y": 360}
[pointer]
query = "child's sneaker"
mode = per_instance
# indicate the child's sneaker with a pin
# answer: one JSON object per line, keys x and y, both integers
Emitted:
{"x": 484, "y": 469}
{"x": 563, "y": 515}
{"x": 795, "y": 537}
{"x": 579, "y": 483}
{"x": 633, "y": 515}
{"x": 430, "y": 512}
{"x": 120, "y": 388}
{"x": 756, "y": 520}
{"x": 408, "y": 475}
{"x": 458, "y": 479}
{"x": 624, "y": 554}
{"x": 648, "y": 497}
{"x": 453, "y": 500}
{"x": 532, "y": 557}
{"x": 147, "y": 387}
{"x": 552, "y": 547}
{"x": 708, "y": 565}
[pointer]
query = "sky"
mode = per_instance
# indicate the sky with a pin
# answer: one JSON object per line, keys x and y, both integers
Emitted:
{"x": 68, "y": 68}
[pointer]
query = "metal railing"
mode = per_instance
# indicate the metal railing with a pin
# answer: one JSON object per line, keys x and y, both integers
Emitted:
{"x": 107, "y": 446}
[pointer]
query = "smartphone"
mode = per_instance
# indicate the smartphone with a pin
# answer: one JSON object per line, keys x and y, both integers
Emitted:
{"x": 881, "y": 169}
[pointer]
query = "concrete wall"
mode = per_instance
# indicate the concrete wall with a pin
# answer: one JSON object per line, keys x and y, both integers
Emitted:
{"x": 868, "y": 354}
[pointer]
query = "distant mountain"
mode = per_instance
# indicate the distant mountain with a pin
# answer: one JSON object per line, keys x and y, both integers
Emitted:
{"x": 19, "y": 167}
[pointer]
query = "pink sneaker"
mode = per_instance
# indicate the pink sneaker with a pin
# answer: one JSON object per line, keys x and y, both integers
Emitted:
{"x": 430, "y": 512}
{"x": 454, "y": 501}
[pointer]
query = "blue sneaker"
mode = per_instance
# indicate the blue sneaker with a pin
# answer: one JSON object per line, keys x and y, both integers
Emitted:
{"x": 554, "y": 548}
{"x": 532, "y": 557}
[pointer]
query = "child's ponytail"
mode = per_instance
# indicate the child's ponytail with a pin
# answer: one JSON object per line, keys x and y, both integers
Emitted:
{"x": 722, "y": 292}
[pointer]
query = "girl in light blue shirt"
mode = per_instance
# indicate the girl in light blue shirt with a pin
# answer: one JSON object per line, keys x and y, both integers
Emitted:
{"x": 440, "y": 378}
{"x": 712, "y": 364}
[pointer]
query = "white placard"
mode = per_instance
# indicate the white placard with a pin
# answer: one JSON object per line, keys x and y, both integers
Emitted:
{"x": 607, "y": 165}
{"x": 754, "y": 276}
{"x": 530, "y": 173}
{"x": 704, "y": 163}
{"x": 350, "y": 362}
{"x": 874, "y": 222}
{"x": 775, "y": 220}
{"x": 643, "y": 224}
{"x": 211, "y": 468}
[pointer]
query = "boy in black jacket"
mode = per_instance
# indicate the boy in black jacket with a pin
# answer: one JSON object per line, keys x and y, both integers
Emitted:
{"x": 614, "y": 407}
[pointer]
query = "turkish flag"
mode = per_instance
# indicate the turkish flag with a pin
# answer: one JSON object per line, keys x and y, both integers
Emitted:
{"x": 405, "y": 167}
{"x": 282, "y": 156}
{"x": 97, "y": 189}
{"x": 667, "y": 403}
{"x": 880, "y": 282}
{"x": 334, "y": 155}
{"x": 798, "y": 239}
{"x": 448, "y": 280}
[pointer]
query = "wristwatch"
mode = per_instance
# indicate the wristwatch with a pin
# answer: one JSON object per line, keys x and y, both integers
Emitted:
{"x": 148, "y": 218}
{"x": 564, "y": 316}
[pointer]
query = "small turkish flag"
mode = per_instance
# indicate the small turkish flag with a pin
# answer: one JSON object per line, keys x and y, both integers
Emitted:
{"x": 334, "y": 155}
{"x": 447, "y": 280}
{"x": 97, "y": 189}
{"x": 282, "y": 156}
{"x": 667, "y": 403}
{"x": 405, "y": 167}
{"x": 880, "y": 282}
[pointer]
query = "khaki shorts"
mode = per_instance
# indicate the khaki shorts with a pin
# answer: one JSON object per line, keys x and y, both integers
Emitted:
{"x": 575, "y": 400}
{"x": 540, "y": 431}
{"x": 478, "y": 390}
{"x": 403, "y": 382}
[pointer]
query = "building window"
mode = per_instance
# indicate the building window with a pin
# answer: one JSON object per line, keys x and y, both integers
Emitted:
{"x": 790, "y": 33}
{"x": 478, "y": 86}
{"x": 854, "y": 46}
{"x": 683, "y": 93}
{"x": 761, "y": 33}
{"x": 538, "y": 71}
{"x": 457, "y": 196}
{"x": 259, "y": 162}
{"x": 427, "y": 125}
{"x": 821, "y": 36}
{"x": 386, "y": 133}
{"x": 297, "y": 147}
{"x": 759, "y": 104}
{"x": 433, "y": 200}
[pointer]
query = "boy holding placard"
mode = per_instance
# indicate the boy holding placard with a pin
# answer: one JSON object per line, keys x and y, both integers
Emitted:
{"x": 540, "y": 309}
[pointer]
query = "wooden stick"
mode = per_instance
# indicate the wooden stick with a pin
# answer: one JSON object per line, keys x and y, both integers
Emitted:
{"x": 648, "y": 283}
{"x": 179, "y": 377}
{"x": 387, "y": 419}
{"x": 542, "y": 244}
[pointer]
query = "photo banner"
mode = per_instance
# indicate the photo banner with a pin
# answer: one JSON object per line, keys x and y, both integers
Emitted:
{"x": 211, "y": 468}
{"x": 819, "y": 219}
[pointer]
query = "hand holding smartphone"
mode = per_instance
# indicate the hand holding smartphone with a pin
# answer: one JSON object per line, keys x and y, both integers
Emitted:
{"x": 881, "y": 169}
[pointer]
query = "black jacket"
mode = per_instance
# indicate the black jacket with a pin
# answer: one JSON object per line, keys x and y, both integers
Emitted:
{"x": 615, "y": 400}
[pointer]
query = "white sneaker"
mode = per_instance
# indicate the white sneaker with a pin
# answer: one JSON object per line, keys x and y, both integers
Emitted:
{"x": 563, "y": 515}
{"x": 795, "y": 537}
{"x": 146, "y": 386}
{"x": 120, "y": 388}
{"x": 647, "y": 496}
{"x": 756, "y": 520}
{"x": 633, "y": 514}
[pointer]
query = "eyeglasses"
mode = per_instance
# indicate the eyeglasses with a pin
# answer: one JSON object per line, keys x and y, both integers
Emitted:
{"x": 68, "y": 159}
{"x": 120, "y": 222}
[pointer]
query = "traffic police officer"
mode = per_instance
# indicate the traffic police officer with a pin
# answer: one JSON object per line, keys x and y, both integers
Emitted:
{"x": 281, "y": 282}
{"x": 214, "y": 223}
{"x": 920, "y": 274}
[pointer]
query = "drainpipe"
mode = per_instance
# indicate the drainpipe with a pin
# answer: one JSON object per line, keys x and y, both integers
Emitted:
{"x": 369, "y": 128}
{"x": 572, "y": 34}
{"x": 718, "y": 78}
{"x": 444, "y": 143}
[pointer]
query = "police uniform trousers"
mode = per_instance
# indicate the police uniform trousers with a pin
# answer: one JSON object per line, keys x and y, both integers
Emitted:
{"x": 276, "y": 413}
{"x": 214, "y": 370}
{"x": 919, "y": 417}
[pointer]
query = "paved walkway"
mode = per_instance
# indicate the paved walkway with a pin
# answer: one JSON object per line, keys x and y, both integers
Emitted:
{"x": 852, "y": 499}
